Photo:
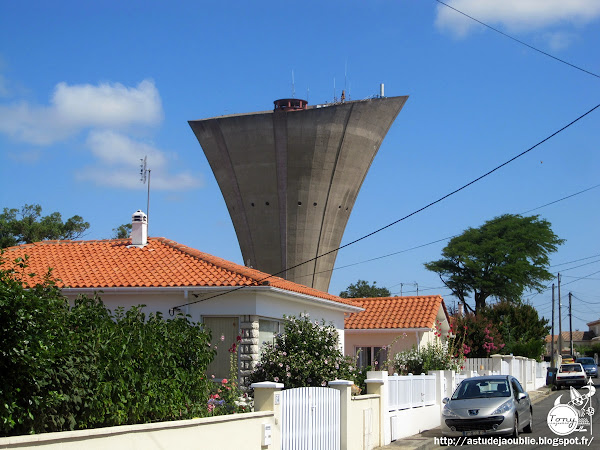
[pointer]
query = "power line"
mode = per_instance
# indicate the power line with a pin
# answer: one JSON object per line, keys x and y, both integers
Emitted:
{"x": 518, "y": 40}
{"x": 581, "y": 278}
{"x": 561, "y": 199}
{"x": 435, "y": 202}
{"x": 581, "y": 265}
{"x": 576, "y": 260}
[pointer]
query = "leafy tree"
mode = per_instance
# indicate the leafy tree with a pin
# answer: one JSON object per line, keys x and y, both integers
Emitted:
{"x": 305, "y": 354}
{"x": 504, "y": 257}
{"x": 522, "y": 330}
{"x": 363, "y": 289}
{"x": 28, "y": 225}
{"x": 122, "y": 231}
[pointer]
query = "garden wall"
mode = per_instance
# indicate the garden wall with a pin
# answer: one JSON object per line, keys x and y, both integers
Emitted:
{"x": 230, "y": 432}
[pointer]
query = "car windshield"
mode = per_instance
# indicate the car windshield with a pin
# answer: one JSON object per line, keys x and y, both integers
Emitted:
{"x": 586, "y": 360}
{"x": 570, "y": 368}
{"x": 481, "y": 389}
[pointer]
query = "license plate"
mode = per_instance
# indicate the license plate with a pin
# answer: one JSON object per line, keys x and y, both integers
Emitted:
{"x": 473, "y": 433}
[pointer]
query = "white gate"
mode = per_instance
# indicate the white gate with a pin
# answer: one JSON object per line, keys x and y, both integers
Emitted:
{"x": 310, "y": 419}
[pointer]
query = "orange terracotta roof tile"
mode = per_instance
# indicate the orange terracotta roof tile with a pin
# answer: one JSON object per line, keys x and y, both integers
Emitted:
{"x": 112, "y": 263}
{"x": 577, "y": 336}
{"x": 395, "y": 312}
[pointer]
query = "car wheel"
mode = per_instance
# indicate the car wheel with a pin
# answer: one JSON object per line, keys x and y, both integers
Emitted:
{"x": 515, "y": 433}
{"x": 529, "y": 427}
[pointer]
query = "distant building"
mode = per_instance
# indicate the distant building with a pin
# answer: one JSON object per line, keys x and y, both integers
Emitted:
{"x": 290, "y": 178}
{"x": 389, "y": 325}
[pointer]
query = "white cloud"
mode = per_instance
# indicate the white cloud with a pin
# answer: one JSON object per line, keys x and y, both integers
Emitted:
{"x": 130, "y": 179}
{"x": 107, "y": 111}
{"x": 108, "y": 105}
{"x": 120, "y": 156}
{"x": 117, "y": 149}
{"x": 515, "y": 15}
{"x": 77, "y": 107}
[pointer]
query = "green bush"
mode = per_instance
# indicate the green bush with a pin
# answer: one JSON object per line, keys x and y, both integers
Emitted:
{"x": 66, "y": 368}
{"x": 305, "y": 354}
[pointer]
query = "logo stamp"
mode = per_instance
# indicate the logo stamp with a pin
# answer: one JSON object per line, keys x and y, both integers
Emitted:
{"x": 576, "y": 415}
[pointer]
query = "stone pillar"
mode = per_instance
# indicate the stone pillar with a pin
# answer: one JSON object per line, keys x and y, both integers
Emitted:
{"x": 522, "y": 375}
{"x": 377, "y": 383}
{"x": 267, "y": 397}
{"x": 345, "y": 388}
{"x": 497, "y": 364}
{"x": 249, "y": 347}
{"x": 509, "y": 360}
{"x": 440, "y": 386}
{"x": 375, "y": 386}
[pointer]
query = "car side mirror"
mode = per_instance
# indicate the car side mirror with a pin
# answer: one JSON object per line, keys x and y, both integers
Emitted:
{"x": 521, "y": 396}
{"x": 445, "y": 400}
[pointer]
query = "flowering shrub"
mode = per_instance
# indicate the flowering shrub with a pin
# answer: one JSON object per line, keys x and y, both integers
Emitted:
{"x": 479, "y": 335}
{"x": 448, "y": 354}
{"x": 227, "y": 397}
{"x": 305, "y": 354}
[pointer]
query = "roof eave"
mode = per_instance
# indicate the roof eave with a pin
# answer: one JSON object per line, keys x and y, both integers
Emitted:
{"x": 185, "y": 289}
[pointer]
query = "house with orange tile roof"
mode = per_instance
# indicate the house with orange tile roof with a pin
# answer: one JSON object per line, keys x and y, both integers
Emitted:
{"x": 585, "y": 338}
{"x": 392, "y": 324}
{"x": 168, "y": 277}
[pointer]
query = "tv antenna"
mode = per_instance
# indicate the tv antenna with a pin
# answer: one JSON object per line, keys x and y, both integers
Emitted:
{"x": 145, "y": 175}
{"x": 293, "y": 86}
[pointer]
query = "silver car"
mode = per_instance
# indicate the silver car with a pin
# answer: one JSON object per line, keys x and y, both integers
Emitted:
{"x": 489, "y": 405}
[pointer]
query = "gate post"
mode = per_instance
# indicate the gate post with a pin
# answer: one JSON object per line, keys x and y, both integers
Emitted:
{"x": 345, "y": 388}
{"x": 377, "y": 383}
{"x": 267, "y": 397}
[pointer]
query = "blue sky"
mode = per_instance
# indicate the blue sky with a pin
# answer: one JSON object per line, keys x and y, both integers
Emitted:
{"x": 87, "y": 88}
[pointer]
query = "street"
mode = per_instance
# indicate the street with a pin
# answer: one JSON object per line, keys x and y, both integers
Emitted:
{"x": 542, "y": 436}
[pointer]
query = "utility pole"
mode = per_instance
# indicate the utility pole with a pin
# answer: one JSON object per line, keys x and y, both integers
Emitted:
{"x": 560, "y": 342}
{"x": 552, "y": 361}
{"x": 570, "y": 326}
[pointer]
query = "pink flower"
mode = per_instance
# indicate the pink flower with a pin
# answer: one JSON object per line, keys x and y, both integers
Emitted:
{"x": 222, "y": 337}
{"x": 224, "y": 381}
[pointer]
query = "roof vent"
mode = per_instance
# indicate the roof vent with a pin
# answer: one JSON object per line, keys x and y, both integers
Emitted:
{"x": 139, "y": 229}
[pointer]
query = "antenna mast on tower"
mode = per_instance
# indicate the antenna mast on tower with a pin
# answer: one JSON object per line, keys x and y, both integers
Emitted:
{"x": 143, "y": 171}
{"x": 293, "y": 86}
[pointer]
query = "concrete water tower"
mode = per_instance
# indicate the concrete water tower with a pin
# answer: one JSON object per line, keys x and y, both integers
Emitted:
{"x": 290, "y": 177}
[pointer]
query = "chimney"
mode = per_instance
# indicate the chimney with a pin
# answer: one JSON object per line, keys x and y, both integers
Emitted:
{"x": 460, "y": 309}
{"x": 139, "y": 229}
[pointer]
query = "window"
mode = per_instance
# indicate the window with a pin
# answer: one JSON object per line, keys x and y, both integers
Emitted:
{"x": 228, "y": 329}
{"x": 267, "y": 329}
{"x": 371, "y": 356}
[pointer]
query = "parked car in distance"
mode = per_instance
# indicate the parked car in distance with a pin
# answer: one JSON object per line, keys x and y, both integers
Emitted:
{"x": 589, "y": 365}
{"x": 570, "y": 375}
{"x": 567, "y": 359}
{"x": 494, "y": 405}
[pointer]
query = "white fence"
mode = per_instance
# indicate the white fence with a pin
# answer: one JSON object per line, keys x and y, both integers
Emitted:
{"x": 410, "y": 391}
{"x": 413, "y": 402}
